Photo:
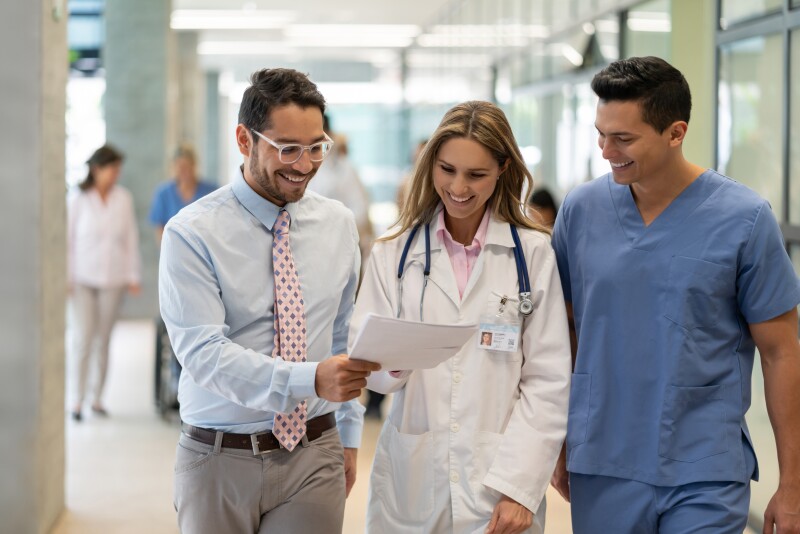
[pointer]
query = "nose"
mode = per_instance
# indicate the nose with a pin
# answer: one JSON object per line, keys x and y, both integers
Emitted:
{"x": 607, "y": 148}
{"x": 304, "y": 164}
{"x": 459, "y": 184}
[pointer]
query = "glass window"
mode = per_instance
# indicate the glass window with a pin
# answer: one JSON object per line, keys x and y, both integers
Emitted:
{"x": 561, "y": 14}
{"x": 794, "y": 132}
{"x": 734, "y": 11}
{"x": 569, "y": 53}
{"x": 647, "y": 31}
{"x": 750, "y": 115}
{"x": 607, "y": 32}
{"x": 795, "y": 3}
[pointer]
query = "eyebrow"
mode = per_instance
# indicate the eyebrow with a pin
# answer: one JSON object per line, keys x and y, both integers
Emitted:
{"x": 290, "y": 141}
{"x": 617, "y": 134}
{"x": 451, "y": 165}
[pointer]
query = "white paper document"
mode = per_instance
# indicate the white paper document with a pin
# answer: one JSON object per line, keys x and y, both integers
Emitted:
{"x": 398, "y": 344}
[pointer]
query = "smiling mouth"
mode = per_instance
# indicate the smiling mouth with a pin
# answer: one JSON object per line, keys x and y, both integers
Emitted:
{"x": 460, "y": 200}
{"x": 293, "y": 179}
{"x": 620, "y": 165}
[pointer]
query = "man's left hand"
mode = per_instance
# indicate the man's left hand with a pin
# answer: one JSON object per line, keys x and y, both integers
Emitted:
{"x": 783, "y": 512}
{"x": 509, "y": 517}
{"x": 350, "y": 461}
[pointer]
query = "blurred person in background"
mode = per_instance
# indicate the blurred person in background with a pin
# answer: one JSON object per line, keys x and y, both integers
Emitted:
{"x": 542, "y": 208}
{"x": 337, "y": 178}
{"x": 469, "y": 445}
{"x": 405, "y": 181}
{"x": 182, "y": 190}
{"x": 103, "y": 262}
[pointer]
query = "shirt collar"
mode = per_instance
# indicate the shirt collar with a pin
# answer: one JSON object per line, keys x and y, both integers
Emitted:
{"x": 480, "y": 236}
{"x": 259, "y": 207}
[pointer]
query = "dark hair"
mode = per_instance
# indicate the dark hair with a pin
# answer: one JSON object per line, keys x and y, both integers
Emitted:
{"x": 542, "y": 198}
{"x": 105, "y": 155}
{"x": 660, "y": 89}
{"x": 272, "y": 88}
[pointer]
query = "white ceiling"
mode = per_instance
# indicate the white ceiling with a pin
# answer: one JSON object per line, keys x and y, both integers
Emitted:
{"x": 286, "y": 34}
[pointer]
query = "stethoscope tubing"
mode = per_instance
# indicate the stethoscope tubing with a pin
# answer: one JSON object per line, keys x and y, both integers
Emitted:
{"x": 525, "y": 305}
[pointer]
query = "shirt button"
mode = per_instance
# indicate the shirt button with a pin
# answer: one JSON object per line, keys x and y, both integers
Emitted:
{"x": 454, "y": 477}
{"x": 455, "y": 427}
{"x": 456, "y": 377}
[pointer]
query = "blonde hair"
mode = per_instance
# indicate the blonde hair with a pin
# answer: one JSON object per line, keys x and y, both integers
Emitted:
{"x": 486, "y": 124}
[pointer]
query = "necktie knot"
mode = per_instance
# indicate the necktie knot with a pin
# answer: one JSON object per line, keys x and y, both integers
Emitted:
{"x": 281, "y": 225}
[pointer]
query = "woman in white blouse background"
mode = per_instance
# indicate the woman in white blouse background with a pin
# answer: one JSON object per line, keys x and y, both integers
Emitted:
{"x": 103, "y": 263}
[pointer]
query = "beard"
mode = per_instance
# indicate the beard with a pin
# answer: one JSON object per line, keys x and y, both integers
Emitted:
{"x": 269, "y": 183}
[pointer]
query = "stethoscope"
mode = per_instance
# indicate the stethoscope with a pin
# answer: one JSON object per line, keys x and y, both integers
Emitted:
{"x": 525, "y": 305}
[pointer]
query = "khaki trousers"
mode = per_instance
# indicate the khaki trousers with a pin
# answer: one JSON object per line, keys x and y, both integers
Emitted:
{"x": 95, "y": 312}
{"x": 232, "y": 491}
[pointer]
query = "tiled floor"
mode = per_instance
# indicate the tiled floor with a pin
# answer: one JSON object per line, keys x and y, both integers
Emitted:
{"x": 119, "y": 470}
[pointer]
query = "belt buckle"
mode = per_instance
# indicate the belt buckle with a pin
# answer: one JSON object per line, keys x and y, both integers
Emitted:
{"x": 256, "y": 449}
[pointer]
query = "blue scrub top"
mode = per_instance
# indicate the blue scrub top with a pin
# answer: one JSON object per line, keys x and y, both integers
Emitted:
{"x": 665, "y": 355}
{"x": 167, "y": 202}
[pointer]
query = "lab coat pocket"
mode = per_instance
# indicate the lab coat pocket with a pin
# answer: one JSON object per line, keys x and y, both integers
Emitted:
{"x": 486, "y": 498}
{"x": 578, "y": 421}
{"x": 692, "y": 423}
{"x": 403, "y": 473}
{"x": 698, "y": 291}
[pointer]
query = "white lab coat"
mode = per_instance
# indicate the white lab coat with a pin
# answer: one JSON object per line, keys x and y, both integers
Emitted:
{"x": 482, "y": 423}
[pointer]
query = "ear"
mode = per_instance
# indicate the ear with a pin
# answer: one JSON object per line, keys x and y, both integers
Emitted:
{"x": 504, "y": 167}
{"x": 677, "y": 132}
{"x": 243, "y": 140}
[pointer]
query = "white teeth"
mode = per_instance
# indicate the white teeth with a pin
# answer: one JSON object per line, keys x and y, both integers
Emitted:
{"x": 618, "y": 165}
{"x": 459, "y": 199}
{"x": 296, "y": 179}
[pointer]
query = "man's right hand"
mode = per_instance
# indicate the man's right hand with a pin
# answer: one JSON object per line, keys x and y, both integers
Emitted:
{"x": 560, "y": 478}
{"x": 340, "y": 379}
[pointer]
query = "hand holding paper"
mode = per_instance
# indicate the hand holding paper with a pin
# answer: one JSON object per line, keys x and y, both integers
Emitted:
{"x": 401, "y": 344}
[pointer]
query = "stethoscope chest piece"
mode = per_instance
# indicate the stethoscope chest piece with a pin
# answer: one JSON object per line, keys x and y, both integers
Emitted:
{"x": 525, "y": 304}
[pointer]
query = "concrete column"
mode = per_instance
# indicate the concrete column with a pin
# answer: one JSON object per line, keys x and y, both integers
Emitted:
{"x": 190, "y": 91}
{"x": 33, "y": 74}
{"x": 693, "y": 54}
{"x": 210, "y": 155}
{"x": 140, "y": 113}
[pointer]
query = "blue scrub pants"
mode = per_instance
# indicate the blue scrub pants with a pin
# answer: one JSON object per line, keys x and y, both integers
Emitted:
{"x": 607, "y": 504}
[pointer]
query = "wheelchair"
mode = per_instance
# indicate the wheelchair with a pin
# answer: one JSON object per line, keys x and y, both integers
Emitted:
{"x": 167, "y": 372}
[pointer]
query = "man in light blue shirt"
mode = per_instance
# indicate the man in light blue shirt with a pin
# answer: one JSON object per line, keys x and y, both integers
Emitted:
{"x": 674, "y": 275}
{"x": 217, "y": 296}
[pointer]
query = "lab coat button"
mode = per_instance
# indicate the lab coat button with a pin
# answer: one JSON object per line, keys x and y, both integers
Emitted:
{"x": 454, "y": 477}
{"x": 457, "y": 378}
{"x": 455, "y": 427}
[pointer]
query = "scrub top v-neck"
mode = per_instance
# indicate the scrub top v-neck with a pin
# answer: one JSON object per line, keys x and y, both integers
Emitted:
{"x": 662, "y": 376}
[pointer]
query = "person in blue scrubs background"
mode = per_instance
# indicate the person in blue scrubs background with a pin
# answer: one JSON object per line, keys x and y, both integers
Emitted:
{"x": 185, "y": 188}
{"x": 674, "y": 275}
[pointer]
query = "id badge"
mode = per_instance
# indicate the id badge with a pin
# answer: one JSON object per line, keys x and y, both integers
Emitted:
{"x": 498, "y": 333}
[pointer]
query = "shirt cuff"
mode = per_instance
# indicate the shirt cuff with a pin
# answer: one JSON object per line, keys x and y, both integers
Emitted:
{"x": 351, "y": 426}
{"x": 302, "y": 380}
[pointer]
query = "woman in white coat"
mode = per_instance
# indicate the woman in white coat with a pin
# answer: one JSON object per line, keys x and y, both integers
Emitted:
{"x": 469, "y": 446}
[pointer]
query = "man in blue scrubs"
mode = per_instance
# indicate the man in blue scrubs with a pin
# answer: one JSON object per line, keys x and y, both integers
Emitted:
{"x": 674, "y": 275}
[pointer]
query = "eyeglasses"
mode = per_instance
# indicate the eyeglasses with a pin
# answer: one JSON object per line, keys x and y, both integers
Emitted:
{"x": 291, "y": 153}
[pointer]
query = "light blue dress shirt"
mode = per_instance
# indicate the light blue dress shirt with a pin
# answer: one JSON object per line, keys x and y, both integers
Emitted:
{"x": 216, "y": 293}
{"x": 662, "y": 312}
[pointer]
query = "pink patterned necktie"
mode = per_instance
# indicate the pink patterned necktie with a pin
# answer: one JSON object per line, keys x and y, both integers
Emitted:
{"x": 290, "y": 327}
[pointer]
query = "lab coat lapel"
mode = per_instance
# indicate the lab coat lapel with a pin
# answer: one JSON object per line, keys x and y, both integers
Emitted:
{"x": 441, "y": 269}
{"x": 498, "y": 235}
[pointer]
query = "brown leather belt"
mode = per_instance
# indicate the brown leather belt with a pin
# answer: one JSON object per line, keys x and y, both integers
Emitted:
{"x": 258, "y": 443}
